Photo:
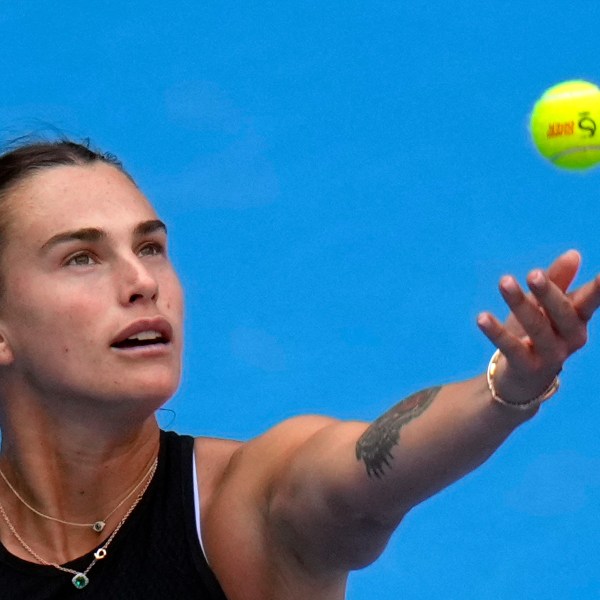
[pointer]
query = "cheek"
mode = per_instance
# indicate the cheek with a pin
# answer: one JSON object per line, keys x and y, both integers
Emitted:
{"x": 57, "y": 321}
{"x": 173, "y": 294}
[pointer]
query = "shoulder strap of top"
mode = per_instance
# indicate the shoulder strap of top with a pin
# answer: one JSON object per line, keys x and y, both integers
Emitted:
{"x": 181, "y": 450}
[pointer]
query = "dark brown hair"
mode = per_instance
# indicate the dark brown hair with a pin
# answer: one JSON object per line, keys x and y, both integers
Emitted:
{"x": 24, "y": 158}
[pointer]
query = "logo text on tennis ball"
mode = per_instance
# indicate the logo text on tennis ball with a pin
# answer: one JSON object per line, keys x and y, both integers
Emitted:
{"x": 560, "y": 129}
{"x": 585, "y": 124}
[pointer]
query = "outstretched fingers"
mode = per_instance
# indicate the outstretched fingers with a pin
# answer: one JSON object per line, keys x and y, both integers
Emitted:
{"x": 533, "y": 313}
{"x": 514, "y": 348}
{"x": 563, "y": 269}
{"x": 566, "y": 330}
{"x": 547, "y": 324}
{"x": 586, "y": 299}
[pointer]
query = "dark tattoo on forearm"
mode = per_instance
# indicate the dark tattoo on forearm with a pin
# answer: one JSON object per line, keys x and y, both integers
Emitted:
{"x": 375, "y": 445}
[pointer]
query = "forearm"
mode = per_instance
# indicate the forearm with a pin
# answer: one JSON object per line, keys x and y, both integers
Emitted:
{"x": 431, "y": 439}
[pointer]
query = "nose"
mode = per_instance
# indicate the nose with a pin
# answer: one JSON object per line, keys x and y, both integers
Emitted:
{"x": 137, "y": 283}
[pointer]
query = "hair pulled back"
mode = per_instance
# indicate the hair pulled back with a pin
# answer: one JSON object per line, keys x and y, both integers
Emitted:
{"x": 24, "y": 158}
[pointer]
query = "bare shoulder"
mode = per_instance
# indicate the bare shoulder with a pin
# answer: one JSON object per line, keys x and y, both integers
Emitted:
{"x": 236, "y": 482}
{"x": 213, "y": 455}
{"x": 218, "y": 460}
{"x": 291, "y": 432}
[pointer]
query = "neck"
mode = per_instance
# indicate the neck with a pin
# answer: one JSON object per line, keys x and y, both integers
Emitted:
{"x": 73, "y": 472}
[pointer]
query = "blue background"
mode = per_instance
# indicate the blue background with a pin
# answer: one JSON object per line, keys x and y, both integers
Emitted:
{"x": 344, "y": 183}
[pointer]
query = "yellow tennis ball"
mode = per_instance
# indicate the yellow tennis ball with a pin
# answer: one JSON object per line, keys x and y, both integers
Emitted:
{"x": 565, "y": 124}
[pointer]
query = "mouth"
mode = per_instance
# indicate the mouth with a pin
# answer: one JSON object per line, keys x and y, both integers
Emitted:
{"x": 144, "y": 333}
{"x": 144, "y": 338}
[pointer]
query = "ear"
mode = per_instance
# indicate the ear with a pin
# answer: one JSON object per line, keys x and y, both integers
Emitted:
{"x": 6, "y": 353}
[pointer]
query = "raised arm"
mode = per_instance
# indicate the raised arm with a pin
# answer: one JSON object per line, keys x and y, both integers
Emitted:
{"x": 344, "y": 489}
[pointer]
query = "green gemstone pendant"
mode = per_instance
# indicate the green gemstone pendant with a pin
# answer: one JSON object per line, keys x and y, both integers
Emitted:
{"x": 80, "y": 581}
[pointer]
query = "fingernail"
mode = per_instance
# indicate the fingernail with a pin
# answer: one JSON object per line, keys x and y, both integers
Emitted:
{"x": 483, "y": 320}
{"x": 508, "y": 284}
{"x": 538, "y": 277}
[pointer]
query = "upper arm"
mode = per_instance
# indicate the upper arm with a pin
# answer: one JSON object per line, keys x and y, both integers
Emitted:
{"x": 324, "y": 505}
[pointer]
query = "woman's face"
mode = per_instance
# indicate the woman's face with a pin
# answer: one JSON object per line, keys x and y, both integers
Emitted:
{"x": 92, "y": 308}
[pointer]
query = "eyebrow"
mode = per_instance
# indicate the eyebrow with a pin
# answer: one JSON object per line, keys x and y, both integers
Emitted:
{"x": 94, "y": 234}
{"x": 147, "y": 227}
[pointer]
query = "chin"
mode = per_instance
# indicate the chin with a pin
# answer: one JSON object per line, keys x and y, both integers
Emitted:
{"x": 148, "y": 392}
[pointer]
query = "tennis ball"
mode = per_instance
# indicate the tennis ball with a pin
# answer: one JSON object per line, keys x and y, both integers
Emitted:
{"x": 565, "y": 124}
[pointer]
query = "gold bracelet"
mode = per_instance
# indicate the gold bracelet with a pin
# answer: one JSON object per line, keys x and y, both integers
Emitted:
{"x": 491, "y": 370}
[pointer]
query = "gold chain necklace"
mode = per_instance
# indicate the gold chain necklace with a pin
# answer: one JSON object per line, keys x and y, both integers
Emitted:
{"x": 97, "y": 526}
{"x": 80, "y": 578}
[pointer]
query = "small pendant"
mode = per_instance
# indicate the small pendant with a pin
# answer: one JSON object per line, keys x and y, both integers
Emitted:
{"x": 100, "y": 554}
{"x": 98, "y": 526}
{"x": 80, "y": 581}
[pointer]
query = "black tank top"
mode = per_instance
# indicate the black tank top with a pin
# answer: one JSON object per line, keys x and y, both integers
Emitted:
{"x": 155, "y": 556}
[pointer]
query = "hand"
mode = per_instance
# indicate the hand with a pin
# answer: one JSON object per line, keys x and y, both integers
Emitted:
{"x": 544, "y": 328}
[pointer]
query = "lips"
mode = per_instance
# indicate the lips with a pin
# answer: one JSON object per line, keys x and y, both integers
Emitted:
{"x": 144, "y": 332}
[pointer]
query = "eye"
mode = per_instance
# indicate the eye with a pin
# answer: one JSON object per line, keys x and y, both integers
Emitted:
{"x": 152, "y": 249}
{"x": 82, "y": 259}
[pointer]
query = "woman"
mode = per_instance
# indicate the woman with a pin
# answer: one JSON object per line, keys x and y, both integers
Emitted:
{"x": 97, "y": 502}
